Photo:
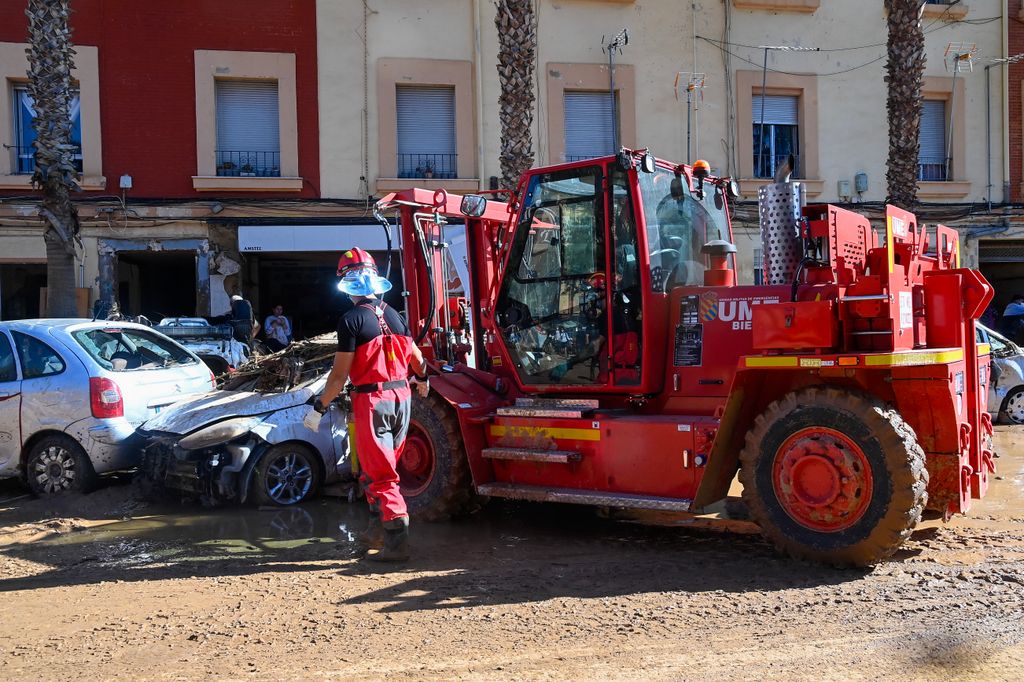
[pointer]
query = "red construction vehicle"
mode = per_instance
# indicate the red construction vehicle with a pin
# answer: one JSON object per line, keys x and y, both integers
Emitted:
{"x": 618, "y": 363}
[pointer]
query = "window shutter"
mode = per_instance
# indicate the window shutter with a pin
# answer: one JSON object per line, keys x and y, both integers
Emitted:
{"x": 588, "y": 125}
{"x": 778, "y": 109}
{"x": 426, "y": 130}
{"x": 247, "y": 116}
{"x": 933, "y": 132}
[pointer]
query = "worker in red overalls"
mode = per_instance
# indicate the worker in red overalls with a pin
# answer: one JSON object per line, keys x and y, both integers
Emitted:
{"x": 376, "y": 351}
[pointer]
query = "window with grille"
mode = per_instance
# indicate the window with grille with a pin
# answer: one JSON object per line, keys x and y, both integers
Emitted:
{"x": 23, "y": 159}
{"x": 932, "y": 160}
{"x": 248, "y": 128}
{"x": 426, "y": 132}
{"x": 758, "y": 267}
{"x": 776, "y": 133}
{"x": 589, "y": 121}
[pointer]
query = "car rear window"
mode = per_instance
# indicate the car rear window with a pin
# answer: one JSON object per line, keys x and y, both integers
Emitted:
{"x": 126, "y": 350}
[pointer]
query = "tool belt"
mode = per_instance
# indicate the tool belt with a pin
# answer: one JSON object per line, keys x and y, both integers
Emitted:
{"x": 373, "y": 388}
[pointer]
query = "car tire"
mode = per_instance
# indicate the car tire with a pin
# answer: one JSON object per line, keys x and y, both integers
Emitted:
{"x": 1013, "y": 406}
{"x": 57, "y": 464}
{"x": 287, "y": 474}
{"x": 834, "y": 476}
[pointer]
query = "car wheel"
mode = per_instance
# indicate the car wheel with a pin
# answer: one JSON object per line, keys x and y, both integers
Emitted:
{"x": 1013, "y": 406}
{"x": 286, "y": 474}
{"x": 57, "y": 464}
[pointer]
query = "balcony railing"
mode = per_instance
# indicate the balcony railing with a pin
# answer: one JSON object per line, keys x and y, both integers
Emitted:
{"x": 23, "y": 159}
{"x": 437, "y": 166}
{"x": 765, "y": 165}
{"x": 932, "y": 168}
{"x": 248, "y": 164}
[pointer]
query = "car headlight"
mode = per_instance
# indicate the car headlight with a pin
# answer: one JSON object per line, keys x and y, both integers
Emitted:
{"x": 218, "y": 433}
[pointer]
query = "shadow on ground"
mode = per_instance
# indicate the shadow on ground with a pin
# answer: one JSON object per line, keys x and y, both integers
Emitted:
{"x": 507, "y": 553}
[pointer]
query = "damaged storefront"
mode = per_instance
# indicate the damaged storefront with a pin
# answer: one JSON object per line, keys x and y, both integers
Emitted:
{"x": 295, "y": 265}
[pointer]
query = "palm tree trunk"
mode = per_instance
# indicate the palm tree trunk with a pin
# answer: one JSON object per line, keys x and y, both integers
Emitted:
{"x": 517, "y": 54}
{"x": 904, "y": 72}
{"x": 51, "y": 60}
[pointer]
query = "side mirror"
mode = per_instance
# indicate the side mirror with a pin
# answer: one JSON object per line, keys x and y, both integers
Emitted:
{"x": 473, "y": 205}
{"x": 733, "y": 189}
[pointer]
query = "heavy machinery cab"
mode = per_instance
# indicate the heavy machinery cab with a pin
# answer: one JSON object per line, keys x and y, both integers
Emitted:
{"x": 592, "y": 239}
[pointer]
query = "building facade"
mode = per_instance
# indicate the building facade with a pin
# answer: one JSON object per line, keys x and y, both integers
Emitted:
{"x": 376, "y": 96}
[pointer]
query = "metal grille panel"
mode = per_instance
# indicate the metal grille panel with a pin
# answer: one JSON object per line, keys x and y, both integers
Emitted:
{"x": 779, "y": 206}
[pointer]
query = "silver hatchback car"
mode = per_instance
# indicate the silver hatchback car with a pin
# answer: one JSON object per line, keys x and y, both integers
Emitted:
{"x": 72, "y": 393}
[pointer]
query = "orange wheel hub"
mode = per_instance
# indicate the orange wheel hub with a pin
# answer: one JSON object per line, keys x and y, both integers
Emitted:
{"x": 822, "y": 479}
{"x": 417, "y": 464}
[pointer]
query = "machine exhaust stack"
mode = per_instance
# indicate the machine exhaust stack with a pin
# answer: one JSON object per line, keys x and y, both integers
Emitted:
{"x": 779, "y": 206}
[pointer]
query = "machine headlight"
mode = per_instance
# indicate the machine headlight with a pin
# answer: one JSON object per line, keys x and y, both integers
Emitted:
{"x": 218, "y": 433}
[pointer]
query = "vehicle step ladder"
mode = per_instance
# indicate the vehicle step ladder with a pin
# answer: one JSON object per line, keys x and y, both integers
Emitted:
{"x": 593, "y": 498}
{"x": 528, "y": 455}
{"x": 549, "y": 408}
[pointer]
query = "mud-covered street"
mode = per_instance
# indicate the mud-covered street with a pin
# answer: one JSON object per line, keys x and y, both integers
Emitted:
{"x": 108, "y": 586}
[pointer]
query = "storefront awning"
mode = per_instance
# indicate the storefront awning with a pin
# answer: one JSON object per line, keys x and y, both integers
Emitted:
{"x": 292, "y": 238}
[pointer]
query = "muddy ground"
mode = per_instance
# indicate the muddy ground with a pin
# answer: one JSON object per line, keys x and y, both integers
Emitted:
{"x": 107, "y": 586}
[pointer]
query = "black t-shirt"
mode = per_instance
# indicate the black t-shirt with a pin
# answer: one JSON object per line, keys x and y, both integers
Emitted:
{"x": 359, "y": 326}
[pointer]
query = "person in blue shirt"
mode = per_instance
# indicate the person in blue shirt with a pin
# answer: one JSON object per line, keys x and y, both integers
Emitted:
{"x": 1012, "y": 322}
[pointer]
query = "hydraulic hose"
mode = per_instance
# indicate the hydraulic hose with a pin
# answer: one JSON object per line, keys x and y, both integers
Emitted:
{"x": 387, "y": 236}
{"x": 430, "y": 275}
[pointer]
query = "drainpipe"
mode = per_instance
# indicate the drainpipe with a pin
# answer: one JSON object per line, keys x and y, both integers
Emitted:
{"x": 1005, "y": 82}
{"x": 479, "y": 86}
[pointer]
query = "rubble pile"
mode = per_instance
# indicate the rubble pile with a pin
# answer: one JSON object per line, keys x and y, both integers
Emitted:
{"x": 278, "y": 372}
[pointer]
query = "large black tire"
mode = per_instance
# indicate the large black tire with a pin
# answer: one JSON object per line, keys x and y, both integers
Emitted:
{"x": 834, "y": 476}
{"x": 434, "y": 470}
{"x": 57, "y": 464}
{"x": 287, "y": 474}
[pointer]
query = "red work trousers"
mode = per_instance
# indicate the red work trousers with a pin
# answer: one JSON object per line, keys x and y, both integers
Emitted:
{"x": 382, "y": 422}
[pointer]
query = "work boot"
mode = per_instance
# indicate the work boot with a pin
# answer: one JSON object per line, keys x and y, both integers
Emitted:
{"x": 396, "y": 541}
{"x": 373, "y": 534}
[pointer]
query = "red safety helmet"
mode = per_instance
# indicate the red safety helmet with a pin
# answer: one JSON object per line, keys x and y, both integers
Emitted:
{"x": 597, "y": 280}
{"x": 355, "y": 259}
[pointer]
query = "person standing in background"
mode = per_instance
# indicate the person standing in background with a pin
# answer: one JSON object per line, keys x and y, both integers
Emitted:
{"x": 278, "y": 329}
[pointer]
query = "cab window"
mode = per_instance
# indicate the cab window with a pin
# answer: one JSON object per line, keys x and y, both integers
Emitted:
{"x": 551, "y": 309}
{"x": 37, "y": 359}
{"x": 679, "y": 223}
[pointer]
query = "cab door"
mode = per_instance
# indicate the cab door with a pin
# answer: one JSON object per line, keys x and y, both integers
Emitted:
{"x": 10, "y": 409}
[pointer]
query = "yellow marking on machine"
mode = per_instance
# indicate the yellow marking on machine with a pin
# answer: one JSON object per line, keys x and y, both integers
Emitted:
{"x": 911, "y": 358}
{"x": 772, "y": 362}
{"x": 984, "y": 349}
{"x": 558, "y": 433}
{"x": 904, "y": 359}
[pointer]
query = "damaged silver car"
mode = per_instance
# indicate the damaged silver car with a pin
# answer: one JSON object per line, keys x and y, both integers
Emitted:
{"x": 246, "y": 446}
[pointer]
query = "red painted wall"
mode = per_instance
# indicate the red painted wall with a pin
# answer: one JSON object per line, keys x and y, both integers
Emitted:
{"x": 1015, "y": 75}
{"x": 147, "y": 79}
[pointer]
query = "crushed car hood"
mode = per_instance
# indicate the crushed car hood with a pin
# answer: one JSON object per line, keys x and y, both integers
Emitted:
{"x": 193, "y": 413}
